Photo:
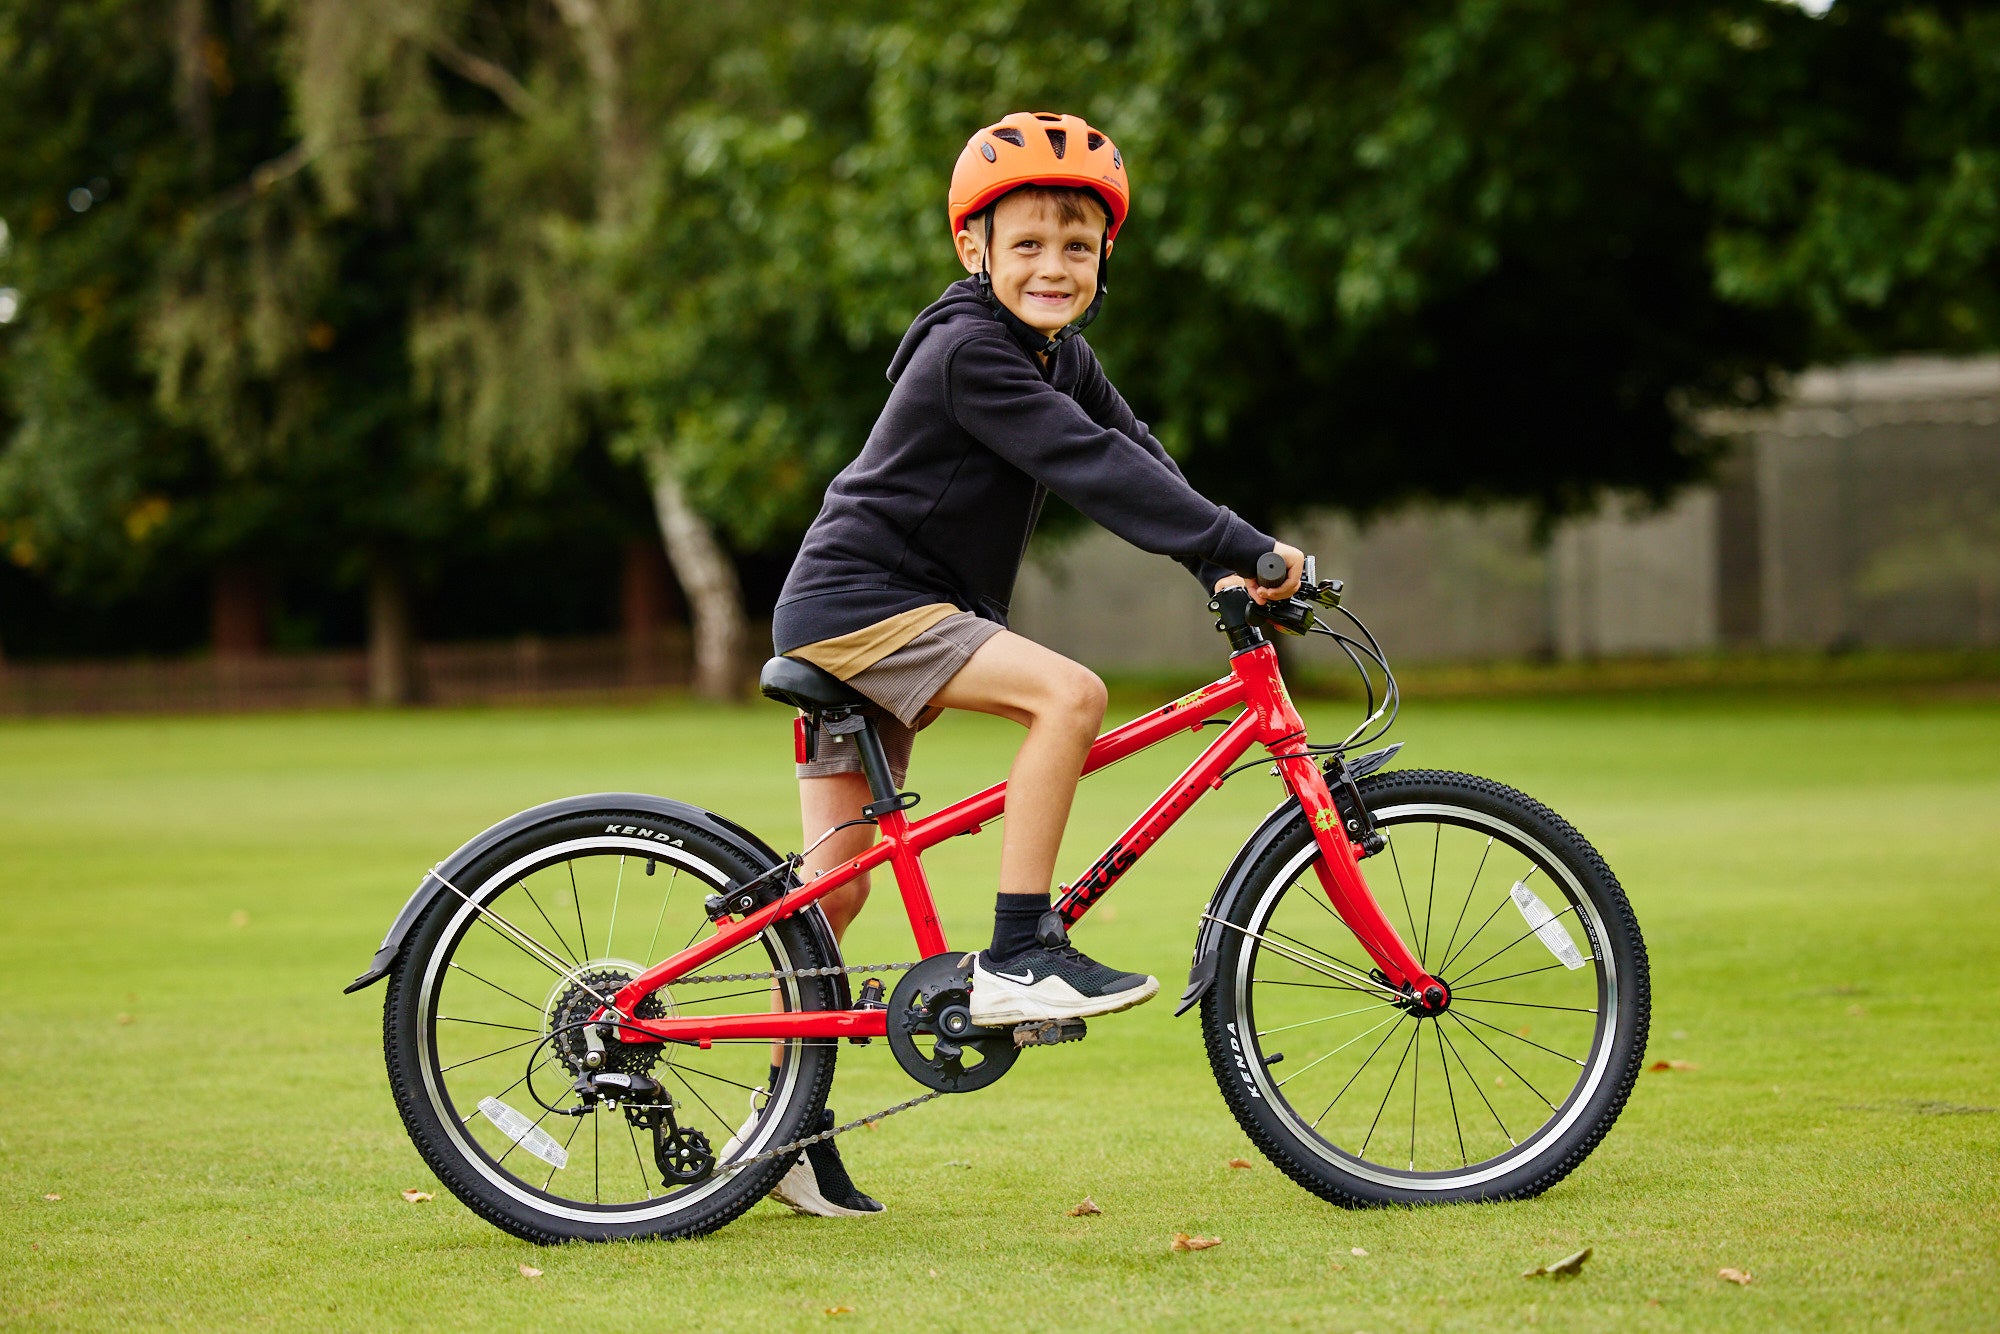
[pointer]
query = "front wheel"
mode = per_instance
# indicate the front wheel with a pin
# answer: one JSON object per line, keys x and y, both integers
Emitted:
{"x": 1365, "y": 1101}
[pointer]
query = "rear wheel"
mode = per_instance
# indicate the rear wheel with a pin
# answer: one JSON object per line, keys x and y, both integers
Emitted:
{"x": 1365, "y": 1101}
{"x": 484, "y": 1034}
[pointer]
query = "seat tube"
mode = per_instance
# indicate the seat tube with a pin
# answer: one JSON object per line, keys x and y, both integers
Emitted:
{"x": 914, "y": 886}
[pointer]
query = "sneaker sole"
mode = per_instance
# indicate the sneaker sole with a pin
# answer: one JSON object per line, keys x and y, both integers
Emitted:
{"x": 1021, "y": 1006}
{"x": 799, "y": 1192}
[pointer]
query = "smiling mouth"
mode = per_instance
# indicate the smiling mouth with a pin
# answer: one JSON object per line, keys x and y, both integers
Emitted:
{"x": 1051, "y": 296}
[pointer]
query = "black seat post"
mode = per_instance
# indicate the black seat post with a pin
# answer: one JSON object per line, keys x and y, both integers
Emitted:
{"x": 875, "y": 761}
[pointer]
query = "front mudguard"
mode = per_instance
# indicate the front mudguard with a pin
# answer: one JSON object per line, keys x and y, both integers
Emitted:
{"x": 754, "y": 849}
{"x": 1201, "y": 972}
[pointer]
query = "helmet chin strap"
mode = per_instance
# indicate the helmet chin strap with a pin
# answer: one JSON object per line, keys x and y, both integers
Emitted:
{"x": 1027, "y": 335}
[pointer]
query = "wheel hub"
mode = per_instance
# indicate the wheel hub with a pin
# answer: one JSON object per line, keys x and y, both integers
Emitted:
{"x": 582, "y": 993}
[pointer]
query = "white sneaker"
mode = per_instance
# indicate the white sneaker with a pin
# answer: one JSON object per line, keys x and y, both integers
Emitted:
{"x": 818, "y": 1183}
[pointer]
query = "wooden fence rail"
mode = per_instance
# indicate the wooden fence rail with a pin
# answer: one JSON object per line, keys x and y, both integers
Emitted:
{"x": 524, "y": 669}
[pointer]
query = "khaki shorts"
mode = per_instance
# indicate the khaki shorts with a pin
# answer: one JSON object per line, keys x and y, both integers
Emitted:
{"x": 901, "y": 686}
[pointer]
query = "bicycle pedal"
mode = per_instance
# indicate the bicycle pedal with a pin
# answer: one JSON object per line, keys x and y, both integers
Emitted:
{"x": 1048, "y": 1032}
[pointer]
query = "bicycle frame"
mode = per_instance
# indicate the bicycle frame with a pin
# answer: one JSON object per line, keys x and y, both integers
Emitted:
{"x": 1268, "y": 719}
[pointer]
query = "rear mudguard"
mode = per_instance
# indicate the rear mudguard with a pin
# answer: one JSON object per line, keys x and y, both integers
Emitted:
{"x": 1201, "y": 973}
{"x": 430, "y": 887}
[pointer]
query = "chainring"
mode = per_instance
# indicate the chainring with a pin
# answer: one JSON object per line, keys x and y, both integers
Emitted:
{"x": 932, "y": 1005}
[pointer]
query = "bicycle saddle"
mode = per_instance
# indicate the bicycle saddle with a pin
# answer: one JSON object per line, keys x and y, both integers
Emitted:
{"x": 804, "y": 686}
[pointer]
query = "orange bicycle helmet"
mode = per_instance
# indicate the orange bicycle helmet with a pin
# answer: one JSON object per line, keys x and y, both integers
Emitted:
{"x": 1038, "y": 148}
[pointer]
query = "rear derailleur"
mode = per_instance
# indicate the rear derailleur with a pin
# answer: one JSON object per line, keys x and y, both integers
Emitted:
{"x": 683, "y": 1156}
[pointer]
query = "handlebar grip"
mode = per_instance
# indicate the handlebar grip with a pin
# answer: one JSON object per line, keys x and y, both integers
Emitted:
{"x": 1271, "y": 569}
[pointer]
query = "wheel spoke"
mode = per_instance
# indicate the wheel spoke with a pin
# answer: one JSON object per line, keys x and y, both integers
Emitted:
{"x": 576, "y": 900}
{"x": 1416, "y": 1075}
{"x": 1328, "y": 955}
{"x": 495, "y": 985}
{"x": 665, "y": 899}
{"x": 1525, "y": 1005}
{"x": 1456, "y": 1124}
{"x": 485, "y": 1023}
{"x": 1321, "y": 966}
{"x": 1344, "y": 1014}
{"x": 645, "y": 1182}
{"x": 617, "y": 891}
{"x": 574, "y": 956}
{"x": 576, "y": 1125}
{"x": 1570, "y": 908}
{"x": 1357, "y": 1074}
{"x": 1335, "y": 1052}
{"x": 676, "y": 1070}
{"x": 529, "y": 1042}
{"x": 1473, "y": 1080}
{"x": 1475, "y": 935}
{"x": 1400, "y": 1063}
{"x": 1484, "y": 853}
{"x": 1502, "y": 1059}
{"x": 1518, "y": 1038}
{"x": 1397, "y": 862}
{"x": 1508, "y": 977}
{"x": 1430, "y": 899}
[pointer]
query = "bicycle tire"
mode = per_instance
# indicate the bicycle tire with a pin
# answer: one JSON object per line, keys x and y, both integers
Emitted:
{"x": 443, "y": 1132}
{"x": 1326, "y": 1161}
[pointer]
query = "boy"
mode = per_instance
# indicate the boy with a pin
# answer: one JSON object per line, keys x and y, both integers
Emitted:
{"x": 901, "y": 586}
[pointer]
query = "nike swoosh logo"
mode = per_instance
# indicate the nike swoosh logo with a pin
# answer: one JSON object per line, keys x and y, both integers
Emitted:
{"x": 1025, "y": 979}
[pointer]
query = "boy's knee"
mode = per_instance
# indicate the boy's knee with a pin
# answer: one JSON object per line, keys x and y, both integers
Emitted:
{"x": 1077, "y": 697}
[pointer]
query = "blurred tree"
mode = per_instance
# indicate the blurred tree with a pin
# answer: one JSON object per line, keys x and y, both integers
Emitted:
{"x": 1476, "y": 248}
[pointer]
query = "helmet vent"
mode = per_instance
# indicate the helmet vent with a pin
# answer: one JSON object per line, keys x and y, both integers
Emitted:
{"x": 1011, "y": 135}
{"x": 1045, "y": 115}
{"x": 1117, "y": 159}
{"x": 1058, "y": 140}
{"x": 1093, "y": 141}
{"x": 986, "y": 151}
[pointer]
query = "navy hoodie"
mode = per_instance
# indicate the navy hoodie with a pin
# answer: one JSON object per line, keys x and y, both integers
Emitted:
{"x": 940, "y": 503}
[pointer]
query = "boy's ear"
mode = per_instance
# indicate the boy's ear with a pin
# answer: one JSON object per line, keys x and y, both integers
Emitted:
{"x": 968, "y": 249}
{"x": 1108, "y": 243}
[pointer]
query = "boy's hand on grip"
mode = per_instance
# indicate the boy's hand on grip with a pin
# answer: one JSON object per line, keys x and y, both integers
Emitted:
{"x": 1285, "y": 585}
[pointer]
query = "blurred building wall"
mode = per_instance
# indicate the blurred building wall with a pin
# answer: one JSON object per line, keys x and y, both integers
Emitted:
{"x": 1865, "y": 511}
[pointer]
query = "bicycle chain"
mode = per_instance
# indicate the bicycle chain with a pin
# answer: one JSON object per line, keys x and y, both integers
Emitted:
{"x": 783, "y": 974}
{"x": 779, "y": 975}
{"x": 811, "y": 1140}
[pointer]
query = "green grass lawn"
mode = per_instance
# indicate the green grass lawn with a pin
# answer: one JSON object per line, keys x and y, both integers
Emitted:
{"x": 1816, "y": 875}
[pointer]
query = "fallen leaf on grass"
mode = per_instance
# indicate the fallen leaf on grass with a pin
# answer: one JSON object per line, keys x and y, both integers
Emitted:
{"x": 239, "y": 919}
{"x": 415, "y": 1196}
{"x": 1522, "y": 1031}
{"x": 1183, "y": 1242}
{"x": 529, "y": 1271}
{"x": 1660, "y": 1067}
{"x": 1335, "y": 1264}
{"x": 840, "y": 1310}
{"x": 1089, "y": 1206}
{"x": 1740, "y": 1277}
{"x": 52, "y": 1196}
{"x": 934, "y": 1273}
{"x": 1239, "y": 1163}
{"x": 1567, "y": 1267}
{"x": 1356, "y": 1250}
{"x": 124, "y": 1018}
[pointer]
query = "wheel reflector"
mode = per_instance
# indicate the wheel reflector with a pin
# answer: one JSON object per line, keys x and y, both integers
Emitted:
{"x": 524, "y": 1132}
{"x": 1545, "y": 926}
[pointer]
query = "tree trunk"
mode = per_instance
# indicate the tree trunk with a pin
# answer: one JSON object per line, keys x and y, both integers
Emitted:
{"x": 392, "y": 640}
{"x": 239, "y": 619}
{"x": 715, "y": 599}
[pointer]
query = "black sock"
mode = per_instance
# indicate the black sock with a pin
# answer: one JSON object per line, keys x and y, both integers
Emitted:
{"x": 776, "y": 1070}
{"x": 1014, "y": 919}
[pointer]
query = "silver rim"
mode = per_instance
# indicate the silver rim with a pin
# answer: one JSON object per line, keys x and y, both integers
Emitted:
{"x": 480, "y": 983}
{"x": 1477, "y": 1093}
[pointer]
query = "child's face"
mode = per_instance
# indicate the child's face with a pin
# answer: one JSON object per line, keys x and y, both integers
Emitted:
{"x": 1043, "y": 269}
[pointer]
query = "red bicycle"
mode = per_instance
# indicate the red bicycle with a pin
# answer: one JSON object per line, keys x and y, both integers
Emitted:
{"x": 1477, "y": 1050}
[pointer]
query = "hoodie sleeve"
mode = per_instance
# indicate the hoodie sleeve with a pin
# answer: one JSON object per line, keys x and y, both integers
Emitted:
{"x": 1100, "y": 399}
{"x": 997, "y": 397}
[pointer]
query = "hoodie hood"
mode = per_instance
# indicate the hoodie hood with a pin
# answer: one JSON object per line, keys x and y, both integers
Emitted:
{"x": 961, "y": 298}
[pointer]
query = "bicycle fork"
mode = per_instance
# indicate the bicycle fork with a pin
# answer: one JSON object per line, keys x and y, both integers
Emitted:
{"x": 1282, "y": 732}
